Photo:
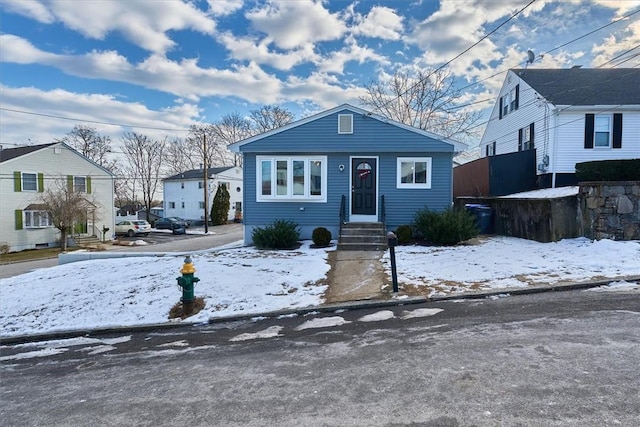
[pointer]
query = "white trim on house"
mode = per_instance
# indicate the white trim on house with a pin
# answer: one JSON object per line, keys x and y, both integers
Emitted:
{"x": 364, "y": 218}
{"x": 458, "y": 146}
{"x": 291, "y": 195}
{"x": 413, "y": 184}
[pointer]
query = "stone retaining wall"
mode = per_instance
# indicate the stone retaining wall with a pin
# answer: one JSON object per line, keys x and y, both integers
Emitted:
{"x": 609, "y": 210}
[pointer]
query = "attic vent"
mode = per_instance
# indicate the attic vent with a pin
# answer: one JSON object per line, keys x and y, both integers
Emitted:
{"x": 57, "y": 150}
{"x": 345, "y": 123}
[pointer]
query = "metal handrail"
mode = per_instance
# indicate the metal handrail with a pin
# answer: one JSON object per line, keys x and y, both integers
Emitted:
{"x": 343, "y": 214}
{"x": 383, "y": 212}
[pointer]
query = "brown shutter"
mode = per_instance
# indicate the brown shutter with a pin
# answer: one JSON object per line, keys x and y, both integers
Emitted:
{"x": 617, "y": 130}
{"x": 589, "y": 123}
{"x": 40, "y": 182}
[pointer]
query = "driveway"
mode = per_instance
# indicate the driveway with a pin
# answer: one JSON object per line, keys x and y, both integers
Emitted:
{"x": 224, "y": 235}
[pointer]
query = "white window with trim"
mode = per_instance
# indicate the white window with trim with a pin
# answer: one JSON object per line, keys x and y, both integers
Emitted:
{"x": 37, "y": 219}
{"x": 291, "y": 178}
{"x": 414, "y": 172}
{"x": 345, "y": 124}
{"x": 29, "y": 181}
{"x": 602, "y": 131}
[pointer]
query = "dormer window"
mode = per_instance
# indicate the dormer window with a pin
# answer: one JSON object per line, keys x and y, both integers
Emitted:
{"x": 345, "y": 124}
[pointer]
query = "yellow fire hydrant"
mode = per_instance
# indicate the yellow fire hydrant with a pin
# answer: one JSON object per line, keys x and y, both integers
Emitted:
{"x": 188, "y": 282}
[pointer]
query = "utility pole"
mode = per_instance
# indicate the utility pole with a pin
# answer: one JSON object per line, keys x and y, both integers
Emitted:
{"x": 206, "y": 186}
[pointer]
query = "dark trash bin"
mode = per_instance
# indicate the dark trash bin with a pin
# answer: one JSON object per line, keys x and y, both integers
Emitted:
{"x": 483, "y": 215}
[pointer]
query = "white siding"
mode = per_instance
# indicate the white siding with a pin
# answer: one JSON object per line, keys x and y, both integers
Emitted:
{"x": 570, "y": 136}
{"x": 191, "y": 195}
{"x": 566, "y": 127}
{"x": 505, "y": 131}
{"x": 55, "y": 166}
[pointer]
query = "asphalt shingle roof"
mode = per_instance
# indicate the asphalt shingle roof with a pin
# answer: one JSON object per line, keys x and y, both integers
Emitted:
{"x": 197, "y": 173}
{"x": 12, "y": 153}
{"x": 585, "y": 86}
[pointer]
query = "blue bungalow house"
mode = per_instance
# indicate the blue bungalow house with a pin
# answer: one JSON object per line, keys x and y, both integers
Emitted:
{"x": 341, "y": 166}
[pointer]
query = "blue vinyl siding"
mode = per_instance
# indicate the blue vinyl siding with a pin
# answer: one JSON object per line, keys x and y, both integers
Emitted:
{"x": 321, "y": 136}
{"x": 370, "y": 138}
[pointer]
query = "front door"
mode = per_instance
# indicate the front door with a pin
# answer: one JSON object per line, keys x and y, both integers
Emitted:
{"x": 363, "y": 189}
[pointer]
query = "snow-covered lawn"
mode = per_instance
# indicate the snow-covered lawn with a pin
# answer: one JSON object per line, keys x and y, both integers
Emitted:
{"x": 142, "y": 290}
{"x": 500, "y": 262}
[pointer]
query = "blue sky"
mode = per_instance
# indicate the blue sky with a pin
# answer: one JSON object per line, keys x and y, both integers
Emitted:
{"x": 158, "y": 66}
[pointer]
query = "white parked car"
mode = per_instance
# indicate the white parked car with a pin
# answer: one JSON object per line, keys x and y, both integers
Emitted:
{"x": 133, "y": 228}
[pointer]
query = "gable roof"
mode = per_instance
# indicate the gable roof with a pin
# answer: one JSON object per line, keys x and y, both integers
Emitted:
{"x": 12, "y": 153}
{"x": 585, "y": 86}
{"x": 458, "y": 146}
{"x": 197, "y": 173}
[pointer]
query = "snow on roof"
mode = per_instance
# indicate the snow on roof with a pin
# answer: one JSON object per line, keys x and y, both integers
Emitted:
{"x": 546, "y": 193}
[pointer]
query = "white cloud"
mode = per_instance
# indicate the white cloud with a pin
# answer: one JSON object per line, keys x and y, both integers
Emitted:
{"x": 33, "y": 9}
{"x": 380, "y": 22}
{"x": 76, "y": 107}
{"x": 617, "y": 44}
{"x": 336, "y": 61}
{"x": 141, "y": 22}
{"x": 20, "y": 51}
{"x": 325, "y": 90}
{"x": 246, "y": 49}
{"x": 292, "y": 24}
{"x": 224, "y": 7}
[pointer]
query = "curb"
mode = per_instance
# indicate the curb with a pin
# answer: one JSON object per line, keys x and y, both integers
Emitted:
{"x": 352, "y": 305}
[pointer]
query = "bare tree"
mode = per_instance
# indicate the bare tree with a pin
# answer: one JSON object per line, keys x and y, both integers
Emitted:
{"x": 232, "y": 128}
{"x": 88, "y": 142}
{"x": 179, "y": 156}
{"x": 269, "y": 117}
{"x": 67, "y": 207}
{"x": 124, "y": 186}
{"x": 426, "y": 100}
{"x": 145, "y": 158}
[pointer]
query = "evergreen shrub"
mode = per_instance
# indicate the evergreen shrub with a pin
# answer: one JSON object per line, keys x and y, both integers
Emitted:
{"x": 404, "y": 234}
{"x": 321, "y": 236}
{"x": 448, "y": 227}
{"x": 221, "y": 205}
{"x": 280, "y": 234}
{"x": 609, "y": 170}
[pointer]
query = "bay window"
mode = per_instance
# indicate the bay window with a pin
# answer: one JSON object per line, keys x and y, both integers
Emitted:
{"x": 291, "y": 178}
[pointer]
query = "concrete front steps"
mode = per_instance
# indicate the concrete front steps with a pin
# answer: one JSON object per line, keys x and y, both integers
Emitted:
{"x": 362, "y": 236}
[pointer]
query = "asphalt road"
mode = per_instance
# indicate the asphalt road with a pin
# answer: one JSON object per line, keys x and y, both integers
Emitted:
{"x": 158, "y": 242}
{"x": 553, "y": 359}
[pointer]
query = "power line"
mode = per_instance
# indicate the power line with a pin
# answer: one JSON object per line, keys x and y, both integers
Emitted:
{"x": 92, "y": 121}
{"x": 457, "y": 56}
{"x": 513, "y": 139}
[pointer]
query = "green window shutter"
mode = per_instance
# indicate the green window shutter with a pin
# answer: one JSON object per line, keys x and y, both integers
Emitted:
{"x": 18, "y": 214}
{"x": 17, "y": 181}
{"x": 40, "y": 182}
{"x": 70, "y": 182}
{"x": 88, "y": 185}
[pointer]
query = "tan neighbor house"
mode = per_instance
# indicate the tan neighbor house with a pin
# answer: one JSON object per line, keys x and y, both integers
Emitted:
{"x": 25, "y": 174}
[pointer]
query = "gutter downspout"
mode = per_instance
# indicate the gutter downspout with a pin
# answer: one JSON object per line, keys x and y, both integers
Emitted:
{"x": 554, "y": 114}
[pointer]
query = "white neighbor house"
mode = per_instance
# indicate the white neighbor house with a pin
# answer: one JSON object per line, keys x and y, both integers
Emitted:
{"x": 568, "y": 116}
{"x": 27, "y": 171}
{"x": 184, "y": 192}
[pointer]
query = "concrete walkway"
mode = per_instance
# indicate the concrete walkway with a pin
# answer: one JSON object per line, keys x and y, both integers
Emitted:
{"x": 355, "y": 276}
